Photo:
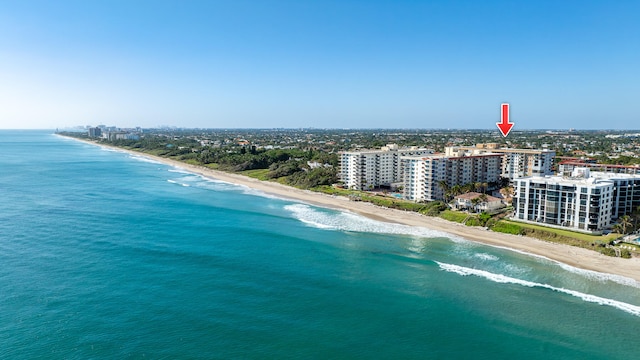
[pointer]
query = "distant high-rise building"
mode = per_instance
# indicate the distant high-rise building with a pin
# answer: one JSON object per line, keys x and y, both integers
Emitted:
{"x": 94, "y": 132}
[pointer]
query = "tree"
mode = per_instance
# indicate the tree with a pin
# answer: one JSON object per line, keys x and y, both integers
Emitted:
{"x": 446, "y": 189}
{"x": 484, "y": 217}
{"x": 474, "y": 186}
{"x": 617, "y": 228}
{"x": 474, "y": 203}
{"x": 444, "y": 185}
{"x": 456, "y": 190}
{"x": 625, "y": 224}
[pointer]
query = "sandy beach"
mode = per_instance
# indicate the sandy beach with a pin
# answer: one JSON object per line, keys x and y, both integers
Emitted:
{"x": 570, "y": 255}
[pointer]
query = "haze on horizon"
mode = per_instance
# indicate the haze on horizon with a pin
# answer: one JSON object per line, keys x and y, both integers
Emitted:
{"x": 325, "y": 64}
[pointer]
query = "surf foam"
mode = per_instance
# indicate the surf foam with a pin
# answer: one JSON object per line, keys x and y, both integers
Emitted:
{"x": 346, "y": 221}
{"x": 503, "y": 279}
{"x": 144, "y": 159}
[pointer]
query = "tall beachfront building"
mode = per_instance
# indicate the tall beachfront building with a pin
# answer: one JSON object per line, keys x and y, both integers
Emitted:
{"x": 516, "y": 163}
{"x": 369, "y": 169}
{"x": 586, "y": 201}
{"x": 424, "y": 174}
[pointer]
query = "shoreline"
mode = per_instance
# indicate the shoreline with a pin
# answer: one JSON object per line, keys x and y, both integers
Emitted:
{"x": 570, "y": 255}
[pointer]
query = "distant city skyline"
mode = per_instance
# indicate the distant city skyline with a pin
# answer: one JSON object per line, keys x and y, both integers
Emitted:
{"x": 322, "y": 64}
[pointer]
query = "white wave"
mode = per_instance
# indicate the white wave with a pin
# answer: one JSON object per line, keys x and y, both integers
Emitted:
{"x": 178, "y": 183}
{"x": 144, "y": 159}
{"x": 503, "y": 279}
{"x": 111, "y": 150}
{"x": 590, "y": 274}
{"x": 221, "y": 185}
{"x": 346, "y": 221}
{"x": 177, "y": 170}
{"x": 190, "y": 178}
{"x": 218, "y": 185}
{"x": 601, "y": 277}
{"x": 485, "y": 256}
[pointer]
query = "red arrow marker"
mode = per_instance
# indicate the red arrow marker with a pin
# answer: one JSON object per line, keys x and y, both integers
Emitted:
{"x": 505, "y": 126}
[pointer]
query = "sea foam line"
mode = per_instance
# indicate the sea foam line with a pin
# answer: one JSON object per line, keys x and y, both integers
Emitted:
{"x": 145, "y": 159}
{"x": 590, "y": 274}
{"x": 178, "y": 183}
{"x": 503, "y": 279}
{"x": 347, "y": 221}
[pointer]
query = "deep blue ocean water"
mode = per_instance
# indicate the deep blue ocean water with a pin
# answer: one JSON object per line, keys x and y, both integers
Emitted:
{"x": 108, "y": 255}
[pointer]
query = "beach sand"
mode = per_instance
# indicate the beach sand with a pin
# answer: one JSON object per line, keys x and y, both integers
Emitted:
{"x": 570, "y": 255}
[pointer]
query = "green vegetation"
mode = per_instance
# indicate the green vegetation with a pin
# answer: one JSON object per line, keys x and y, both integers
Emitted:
{"x": 260, "y": 174}
{"x": 594, "y": 242}
{"x": 555, "y": 233}
{"x": 483, "y": 218}
{"x": 430, "y": 209}
{"x": 434, "y": 208}
{"x": 619, "y": 160}
{"x": 507, "y": 228}
{"x": 607, "y": 251}
{"x": 454, "y": 216}
{"x": 287, "y": 166}
{"x": 473, "y": 221}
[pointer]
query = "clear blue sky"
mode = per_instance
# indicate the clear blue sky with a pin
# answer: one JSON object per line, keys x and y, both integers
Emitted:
{"x": 343, "y": 63}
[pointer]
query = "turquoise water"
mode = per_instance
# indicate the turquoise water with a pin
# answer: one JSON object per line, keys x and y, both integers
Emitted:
{"x": 108, "y": 255}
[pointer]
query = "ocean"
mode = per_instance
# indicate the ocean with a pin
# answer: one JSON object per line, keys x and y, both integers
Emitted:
{"x": 107, "y": 255}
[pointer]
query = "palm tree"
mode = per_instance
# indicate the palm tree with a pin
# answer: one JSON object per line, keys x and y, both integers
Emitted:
{"x": 507, "y": 192}
{"x": 474, "y": 202}
{"x": 617, "y": 228}
{"x": 456, "y": 190}
{"x": 444, "y": 185}
{"x": 446, "y": 189}
{"x": 625, "y": 223}
{"x": 482, "y": 200}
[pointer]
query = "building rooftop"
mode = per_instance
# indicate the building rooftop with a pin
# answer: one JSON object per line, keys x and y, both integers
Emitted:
{"x": 444, "y": 156}
{"x": 386, "y": 149}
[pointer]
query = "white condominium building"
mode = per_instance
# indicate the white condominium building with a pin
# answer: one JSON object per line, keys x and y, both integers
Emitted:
{"x": 586, "y": 201}
{"x": 515, "y": 162}
{"x": 626, "y": 190}
{"x": 369, "y": 169}
{"x": 423, "y": 174}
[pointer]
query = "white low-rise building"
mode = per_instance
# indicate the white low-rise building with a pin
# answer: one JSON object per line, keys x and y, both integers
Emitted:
{"x": 483, "y": 203}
